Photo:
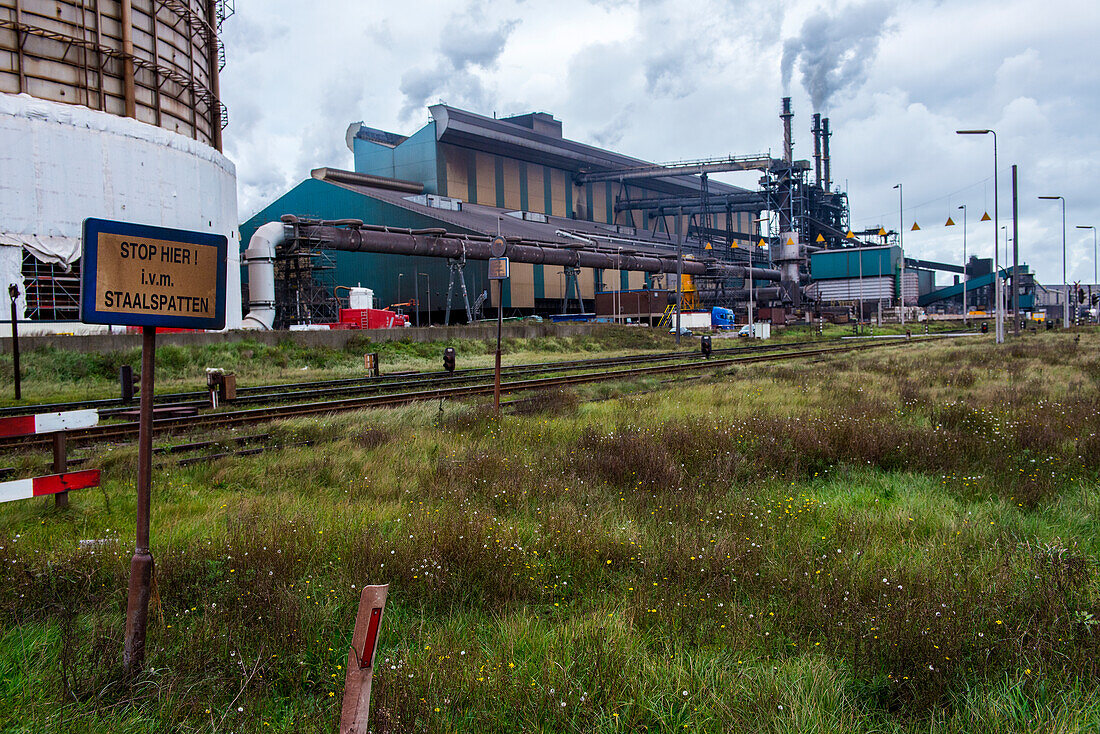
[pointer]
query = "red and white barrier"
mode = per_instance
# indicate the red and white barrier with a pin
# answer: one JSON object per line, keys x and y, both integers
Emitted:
{"x": 24, "y": 489}
{"x": 25, "y": 425}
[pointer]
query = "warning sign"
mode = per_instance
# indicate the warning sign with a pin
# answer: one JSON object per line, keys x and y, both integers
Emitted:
{"x": 152, "y": 276}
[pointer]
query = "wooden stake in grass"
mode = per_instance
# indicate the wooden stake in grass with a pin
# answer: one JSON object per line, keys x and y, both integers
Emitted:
{"x": 364, "y": 645}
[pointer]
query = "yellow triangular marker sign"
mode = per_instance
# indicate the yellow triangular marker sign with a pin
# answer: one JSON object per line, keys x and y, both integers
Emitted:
{"x": 950, "y": 222}
{"x": 820, "y": 238}
{"x": 708, "y": 247}
{"x": 733, "y": 246}
{"x": 881, "y": 232}
{"x": 790, "y": 241}
{"x": 986, "y": 217}
{"x": 916, "y": 227}
{"x": 850, "y": 235}
{"x": 762, "y": 243}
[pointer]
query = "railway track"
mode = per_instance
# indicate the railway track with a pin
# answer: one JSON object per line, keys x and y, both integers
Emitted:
{"x": 260, "y": 394}
{"x": 253, "y": 416}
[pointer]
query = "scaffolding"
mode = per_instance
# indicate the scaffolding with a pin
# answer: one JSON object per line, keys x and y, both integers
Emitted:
{"x": 51, "y": 293}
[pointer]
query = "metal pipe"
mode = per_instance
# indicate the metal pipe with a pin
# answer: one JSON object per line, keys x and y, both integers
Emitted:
{"x": 141, "y": 565}
{"x": 1015, "y": 256}
{"x": 365, "y": 179}
{"x": 718, "y": 202}
{"x": 215, "y": 91}
{"x": 816, "y": 130}
{"x": 356, "y": 237}
{"x": 260, "y": 259}
{"x": 825, "y": 166}
{"x": 13, "y": 291}
{"x": 788, "y": 142}
{"x": 679, "y": 271}
{"x": 128, "y": 91}
{"x": 718, "y": 165}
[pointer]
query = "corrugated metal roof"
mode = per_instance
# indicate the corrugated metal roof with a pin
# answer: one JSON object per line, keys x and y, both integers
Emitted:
{"x": 470, "y": 130}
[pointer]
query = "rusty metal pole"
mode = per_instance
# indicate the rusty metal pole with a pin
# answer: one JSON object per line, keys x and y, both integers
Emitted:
{"x": 500, "y": 325}
{"x": 129, "y": 92}
{"x": 13, "y": 291}
{"x": 141, "y": 566}
{"x": 60, "y": 466}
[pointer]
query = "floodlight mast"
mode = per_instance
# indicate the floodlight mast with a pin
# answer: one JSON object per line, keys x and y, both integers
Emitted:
{"x": 997, "y": 285}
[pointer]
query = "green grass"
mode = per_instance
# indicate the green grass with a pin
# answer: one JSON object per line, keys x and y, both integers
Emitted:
{"x": 903, "y": 540}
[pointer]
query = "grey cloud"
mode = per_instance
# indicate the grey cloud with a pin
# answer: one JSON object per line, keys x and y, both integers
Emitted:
{"x": 467, "y": 43}
{"x": 834, "y": 50}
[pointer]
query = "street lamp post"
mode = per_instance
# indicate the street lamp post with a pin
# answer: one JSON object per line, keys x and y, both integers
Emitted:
{"x": 965, "y": 273}
{"x": 901, "y": 245}
{"x": 999, "y": 314}
{"x": 428, "y": 293}
{"x": 1065, "y": 280}
{"x": 752, "y": 299}
{"x": 1094, "y": 269}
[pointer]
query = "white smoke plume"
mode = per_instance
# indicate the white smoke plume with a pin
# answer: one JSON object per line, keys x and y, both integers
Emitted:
{"x": 833, "y": 50}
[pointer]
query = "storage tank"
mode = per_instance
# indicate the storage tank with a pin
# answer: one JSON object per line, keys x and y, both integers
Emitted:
{"x": 108, "y": 108}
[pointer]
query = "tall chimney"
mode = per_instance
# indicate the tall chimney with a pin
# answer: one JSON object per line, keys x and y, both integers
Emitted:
{"x": 817, "y": 147}
{"x": 788, "y": 144}
{"x": 825, "y": 134}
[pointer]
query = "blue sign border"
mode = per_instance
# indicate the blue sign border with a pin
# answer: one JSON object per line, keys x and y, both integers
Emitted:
{"x": 90, "y": 259}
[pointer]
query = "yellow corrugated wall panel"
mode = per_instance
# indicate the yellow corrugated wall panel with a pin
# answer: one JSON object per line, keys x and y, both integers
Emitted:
{"x": 486, "y": 179}
{"x": 558, "y": 182}
{"x": 599, "y": 203}
{"x": 553, "y": 281}
{"x": 536, "y": 190}
{"x": 522, "y": 283}
{"x": 456, "y": 160}
{"x": 511, "y": 183}
{"x": 587, "y": 281}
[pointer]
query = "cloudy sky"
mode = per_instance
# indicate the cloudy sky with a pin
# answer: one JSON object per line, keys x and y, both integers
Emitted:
{"x": 671, "y": 80}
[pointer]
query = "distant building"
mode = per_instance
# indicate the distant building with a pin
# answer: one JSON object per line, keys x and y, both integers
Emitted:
{"x": 478, "y": 175}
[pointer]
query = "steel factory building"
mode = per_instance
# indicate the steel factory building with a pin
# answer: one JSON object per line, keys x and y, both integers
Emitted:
{"x": 517, "y": 176}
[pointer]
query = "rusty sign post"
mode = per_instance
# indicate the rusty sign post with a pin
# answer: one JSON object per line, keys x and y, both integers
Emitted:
{"x": 498, "y": 271}
{"x": 13, "y": 292}
{"x": 136, "y": 275}
{"x": 360, "y": 668}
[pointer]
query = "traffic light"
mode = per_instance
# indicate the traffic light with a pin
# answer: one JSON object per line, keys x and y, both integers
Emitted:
{"x": 1095, "y": 299}
{"x": 704, "y": 346}
{"x": 985, "y": 327}
{"x": 449, "y": 359}
{"x": 1080, "y": 295}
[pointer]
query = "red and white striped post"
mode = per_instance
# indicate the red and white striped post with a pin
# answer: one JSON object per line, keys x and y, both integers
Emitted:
{"x": 25, "y": 489}
{"x": 57, "y": 424}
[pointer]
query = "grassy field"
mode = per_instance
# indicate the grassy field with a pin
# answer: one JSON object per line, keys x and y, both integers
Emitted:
{"x": 905, "y": 540}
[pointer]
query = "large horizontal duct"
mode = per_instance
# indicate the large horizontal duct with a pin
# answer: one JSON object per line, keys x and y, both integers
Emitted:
{"x": 354, "y": 236}
{"x": 718, "y": 202}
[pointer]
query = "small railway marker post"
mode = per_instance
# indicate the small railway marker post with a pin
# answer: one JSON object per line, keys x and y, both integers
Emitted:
{"x": 138, "y": 275}
{"x": 360, "y": 667}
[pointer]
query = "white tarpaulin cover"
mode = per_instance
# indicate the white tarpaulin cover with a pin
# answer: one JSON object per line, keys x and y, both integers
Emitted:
{"x": 63, "y": 251}
{"x": 63, "y": 163}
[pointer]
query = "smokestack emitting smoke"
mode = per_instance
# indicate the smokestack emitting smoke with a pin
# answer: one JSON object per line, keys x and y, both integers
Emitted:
{"x": 788, "y": 143}
{"x": 816, "y": 130}
{"x": 825, "y": 153}
{"x": 834, "y": 50}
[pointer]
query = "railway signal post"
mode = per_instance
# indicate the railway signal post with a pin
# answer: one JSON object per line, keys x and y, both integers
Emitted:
{"x": 137, "y": 275}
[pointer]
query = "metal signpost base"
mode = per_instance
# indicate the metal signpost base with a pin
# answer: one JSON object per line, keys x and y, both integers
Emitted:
{"x": 141, "y": 566}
